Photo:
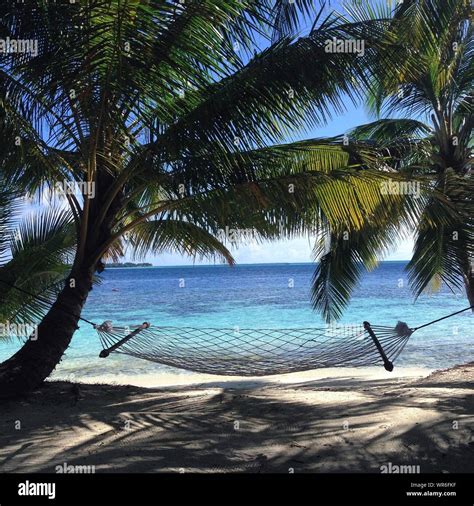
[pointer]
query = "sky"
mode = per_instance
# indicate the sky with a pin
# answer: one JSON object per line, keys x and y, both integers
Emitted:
{"x": 294, "y": 251}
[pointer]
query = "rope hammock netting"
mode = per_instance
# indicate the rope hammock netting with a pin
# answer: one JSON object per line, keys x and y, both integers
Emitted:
{"x": 256, "y": 352}
{"x": 259, "y": 352}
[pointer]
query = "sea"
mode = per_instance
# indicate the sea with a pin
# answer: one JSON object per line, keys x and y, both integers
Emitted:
{"x": 274, "y": 296}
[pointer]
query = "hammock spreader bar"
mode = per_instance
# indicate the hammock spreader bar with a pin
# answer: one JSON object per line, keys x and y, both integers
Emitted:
{"x": 386, "y": 362}
{"x": 107, "y": 327}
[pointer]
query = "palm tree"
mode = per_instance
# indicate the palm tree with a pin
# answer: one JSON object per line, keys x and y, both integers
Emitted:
{"x": 434, "y": 83}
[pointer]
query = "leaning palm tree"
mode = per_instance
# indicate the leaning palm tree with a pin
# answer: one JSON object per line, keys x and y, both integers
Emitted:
{"x": 171, "y": 121}
{"x": 426, "y": 136}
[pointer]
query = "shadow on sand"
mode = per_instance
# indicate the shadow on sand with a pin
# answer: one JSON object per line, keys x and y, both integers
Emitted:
{"x": 330, "y": 425}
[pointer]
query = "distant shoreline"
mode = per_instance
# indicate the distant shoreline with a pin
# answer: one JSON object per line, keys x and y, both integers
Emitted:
{"x": 269, "y": 264}
{"x": 128, "y": 265}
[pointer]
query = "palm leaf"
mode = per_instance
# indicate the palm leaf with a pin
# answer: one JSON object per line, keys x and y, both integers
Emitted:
{"x": 177, "y": 236}
{"x": 40, "y": 247}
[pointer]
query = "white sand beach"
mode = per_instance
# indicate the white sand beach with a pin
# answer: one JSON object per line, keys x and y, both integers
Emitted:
{"x": 186, "y": 378}
{"x": 330, "y": 420}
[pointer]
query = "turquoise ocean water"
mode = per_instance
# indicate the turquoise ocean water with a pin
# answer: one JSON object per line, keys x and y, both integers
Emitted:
{"x": 258, "y": 296}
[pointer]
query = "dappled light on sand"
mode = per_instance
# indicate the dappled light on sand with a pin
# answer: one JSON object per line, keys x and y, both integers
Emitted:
{"x": 347, "y": 423}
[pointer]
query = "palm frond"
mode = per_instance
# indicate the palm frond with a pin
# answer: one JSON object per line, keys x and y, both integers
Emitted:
{"x": 444, "y": 249}
{"x": 391, "y": 131}
{"x": 178, "y": 236}
{"x": 345, "y": 254}
{"x": 41, "y": 248}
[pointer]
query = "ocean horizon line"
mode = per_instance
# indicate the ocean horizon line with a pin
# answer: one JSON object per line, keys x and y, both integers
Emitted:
{"x": 238, "y": 264}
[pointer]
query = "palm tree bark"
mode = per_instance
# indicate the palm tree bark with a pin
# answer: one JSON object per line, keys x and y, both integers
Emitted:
{"x": 35, "y": 361}
{"x": 469, "y": 284}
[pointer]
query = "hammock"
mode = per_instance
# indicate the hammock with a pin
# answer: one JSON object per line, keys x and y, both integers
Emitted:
{"x": 259, "y": 352}
{"x": 256, "y": 352}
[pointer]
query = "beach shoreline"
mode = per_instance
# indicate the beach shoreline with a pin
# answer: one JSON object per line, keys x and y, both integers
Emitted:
{"x": 311, "y": 422}
{"x": 181, "y": 378}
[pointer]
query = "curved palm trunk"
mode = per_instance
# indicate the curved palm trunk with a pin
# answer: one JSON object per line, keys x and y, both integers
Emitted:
{"x": 469, "y": 284}
{"x": 37, "y": 359}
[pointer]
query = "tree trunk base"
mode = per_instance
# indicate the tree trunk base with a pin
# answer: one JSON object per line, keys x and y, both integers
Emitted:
{"x": 27, "y": 369}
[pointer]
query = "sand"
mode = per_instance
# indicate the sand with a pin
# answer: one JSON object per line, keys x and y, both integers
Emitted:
{"x": 331, "y": 420}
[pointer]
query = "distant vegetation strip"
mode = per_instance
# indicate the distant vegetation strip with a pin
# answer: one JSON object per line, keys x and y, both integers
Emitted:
{"x": 127, "y": 264}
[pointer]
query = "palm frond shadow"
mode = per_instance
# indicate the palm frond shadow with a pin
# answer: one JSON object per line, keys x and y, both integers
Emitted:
{"x": 210, "y": 429}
